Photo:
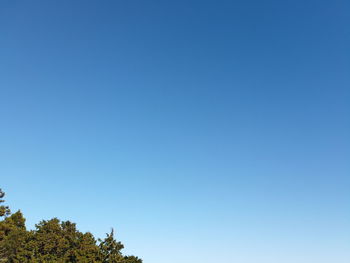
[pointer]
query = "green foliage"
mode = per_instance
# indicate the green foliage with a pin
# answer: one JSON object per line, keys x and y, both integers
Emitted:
{"x": 4, "y": 210}
{"x": 54, "y": 241}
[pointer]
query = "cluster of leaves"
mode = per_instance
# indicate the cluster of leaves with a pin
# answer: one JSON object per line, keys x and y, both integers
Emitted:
{"x": 54, "y": 241}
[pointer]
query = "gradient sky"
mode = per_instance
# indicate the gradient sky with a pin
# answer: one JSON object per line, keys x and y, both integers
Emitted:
{"x": 202, "y": 131}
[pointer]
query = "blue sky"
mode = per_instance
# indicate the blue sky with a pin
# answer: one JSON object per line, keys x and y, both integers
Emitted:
{"x": 202, "y": 131}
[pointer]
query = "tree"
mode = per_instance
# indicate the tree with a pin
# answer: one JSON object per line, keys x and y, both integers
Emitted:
{"x": 4, "y": 210}
{"x": 54, "y": 241}
{"x": 111, "y": 251}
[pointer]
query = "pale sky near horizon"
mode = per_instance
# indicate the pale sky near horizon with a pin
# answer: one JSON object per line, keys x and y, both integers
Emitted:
{"x": 202, "y": 131}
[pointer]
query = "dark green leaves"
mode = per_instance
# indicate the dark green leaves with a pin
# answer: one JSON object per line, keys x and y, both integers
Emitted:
{"x": 54, "y": 241}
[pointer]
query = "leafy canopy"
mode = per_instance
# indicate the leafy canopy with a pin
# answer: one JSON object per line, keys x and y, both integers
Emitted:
{"x": 54, "y": 241}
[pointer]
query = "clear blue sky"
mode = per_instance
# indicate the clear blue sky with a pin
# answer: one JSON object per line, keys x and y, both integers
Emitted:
{"x": 202, "y": 131}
